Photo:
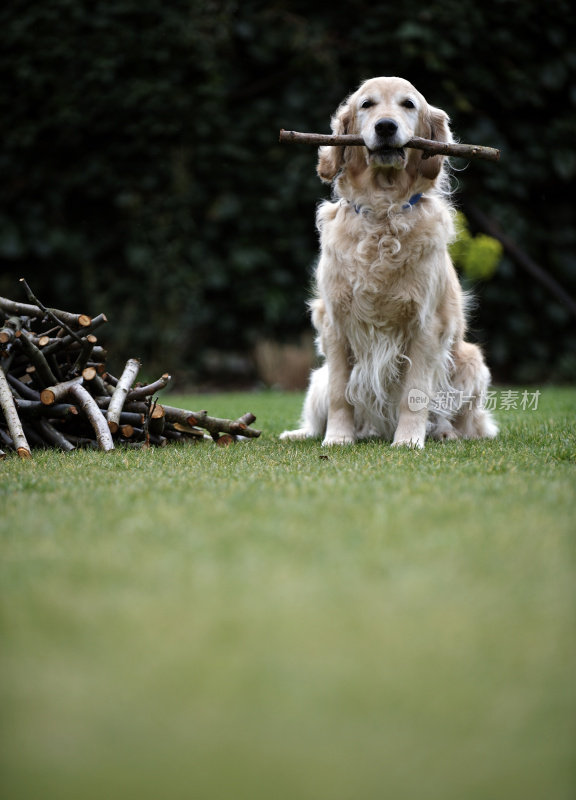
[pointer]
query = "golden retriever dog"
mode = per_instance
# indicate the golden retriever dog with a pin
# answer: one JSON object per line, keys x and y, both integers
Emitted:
{"x": 389, "y": 310}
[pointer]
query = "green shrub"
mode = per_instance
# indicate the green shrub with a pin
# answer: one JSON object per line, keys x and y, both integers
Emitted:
{"x": 477, "y": 256}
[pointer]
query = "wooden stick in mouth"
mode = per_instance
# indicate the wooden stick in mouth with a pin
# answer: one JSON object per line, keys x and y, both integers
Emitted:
{"x": 430, "y": 147}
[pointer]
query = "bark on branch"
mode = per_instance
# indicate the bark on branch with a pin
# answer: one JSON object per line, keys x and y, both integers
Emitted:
{"x": 26, "y": 310}
{"x": 430, "y": 147}
{"x": 20, "y": 389}
{"x": 35, "y": 409}
{"x": 214, "y": 425}
{"x": 53, "y": 436}
{"x": 120, "y": 392}
{"x": 37, "y": 358}
{"x": 53, "y": 394}
{"x": 12, "y": 419}
{"x": 95, "y": 416}
{"x": 32, "y": 297}
{"x": 65, "y": 341}
{"x": 140, "y": 392}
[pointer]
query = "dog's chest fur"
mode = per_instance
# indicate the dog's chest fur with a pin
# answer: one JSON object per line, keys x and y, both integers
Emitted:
{"x": 373, "y": 271}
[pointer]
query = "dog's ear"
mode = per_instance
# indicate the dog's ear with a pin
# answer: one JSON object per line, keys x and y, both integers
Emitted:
{"x": 436, "y": 127}
{"x": 330, "y": 157}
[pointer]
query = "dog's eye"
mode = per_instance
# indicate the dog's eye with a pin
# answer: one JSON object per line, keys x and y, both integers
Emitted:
{"x": 408, "y": 103}
{"x": 367, "y": 103}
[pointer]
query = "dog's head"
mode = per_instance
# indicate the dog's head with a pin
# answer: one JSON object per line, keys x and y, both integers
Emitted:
{"x": 387, "y": 113}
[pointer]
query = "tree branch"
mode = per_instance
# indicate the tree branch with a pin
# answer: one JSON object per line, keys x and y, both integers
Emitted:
{"x": 65, "y": 341}
{"x": 120, "y": 392}
{"x": 140, "y": 392}
{"x": 37, "y": 357}
{"x": 95, "y": 416}
{"x": 26, "y": 310}
{"x": 48, "y": 311}
{"x": 12, "y": 419}
{"x": 35, "y": 408}
{"x": 430, "y": 147}
{"x": 520, "y": 256}
{"x": 21, "y": 389}
{"x": 53, "y": 394}
{"x": 53, "y": 436}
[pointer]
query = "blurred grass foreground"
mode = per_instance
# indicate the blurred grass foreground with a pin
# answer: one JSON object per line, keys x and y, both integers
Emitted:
{"x": 272, "y": 620}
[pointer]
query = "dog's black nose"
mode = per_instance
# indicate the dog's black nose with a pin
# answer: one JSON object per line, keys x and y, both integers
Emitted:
{"x": 386, "y": 127}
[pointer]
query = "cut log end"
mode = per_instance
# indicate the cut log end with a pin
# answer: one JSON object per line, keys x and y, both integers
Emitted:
{"x": 48, "y": 397}
{"x": 158, "y": 412}
{"x": 247, "y": 419}
{"x": 224, "y": 440}
{"x": 23, "y": 452}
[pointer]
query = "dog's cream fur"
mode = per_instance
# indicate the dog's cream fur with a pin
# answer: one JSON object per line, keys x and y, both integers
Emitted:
{"x": 389, "y": 310}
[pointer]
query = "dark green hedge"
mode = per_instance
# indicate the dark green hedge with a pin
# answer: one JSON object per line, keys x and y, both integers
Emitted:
{"x": 141, "y": 173}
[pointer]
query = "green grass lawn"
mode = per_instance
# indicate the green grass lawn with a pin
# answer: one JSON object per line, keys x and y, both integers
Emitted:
{"x": 277, "y": 621}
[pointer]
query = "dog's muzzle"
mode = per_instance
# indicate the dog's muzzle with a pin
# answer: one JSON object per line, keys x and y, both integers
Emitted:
{"x": 386, "y": 152}
{"x": 388, "y": 157}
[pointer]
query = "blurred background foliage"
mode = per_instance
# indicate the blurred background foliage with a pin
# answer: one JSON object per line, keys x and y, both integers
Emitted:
{"x": 476, "y": 257}
{"x": 142, "y": 177}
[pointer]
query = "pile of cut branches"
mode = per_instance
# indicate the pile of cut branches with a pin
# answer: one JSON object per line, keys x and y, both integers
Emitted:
{"x": 56, "y": 391}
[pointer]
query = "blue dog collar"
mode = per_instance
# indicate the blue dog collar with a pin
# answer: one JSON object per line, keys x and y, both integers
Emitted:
{"x": 412, "y": 202}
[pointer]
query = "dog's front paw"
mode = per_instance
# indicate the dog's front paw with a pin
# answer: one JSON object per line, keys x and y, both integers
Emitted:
{"x": 413, "y": 444}
{"x": 410, "y": 433}
{"x": 337, "y": 438}
{"x": 443, "y": 431}
{"x": 297, "y": 435}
